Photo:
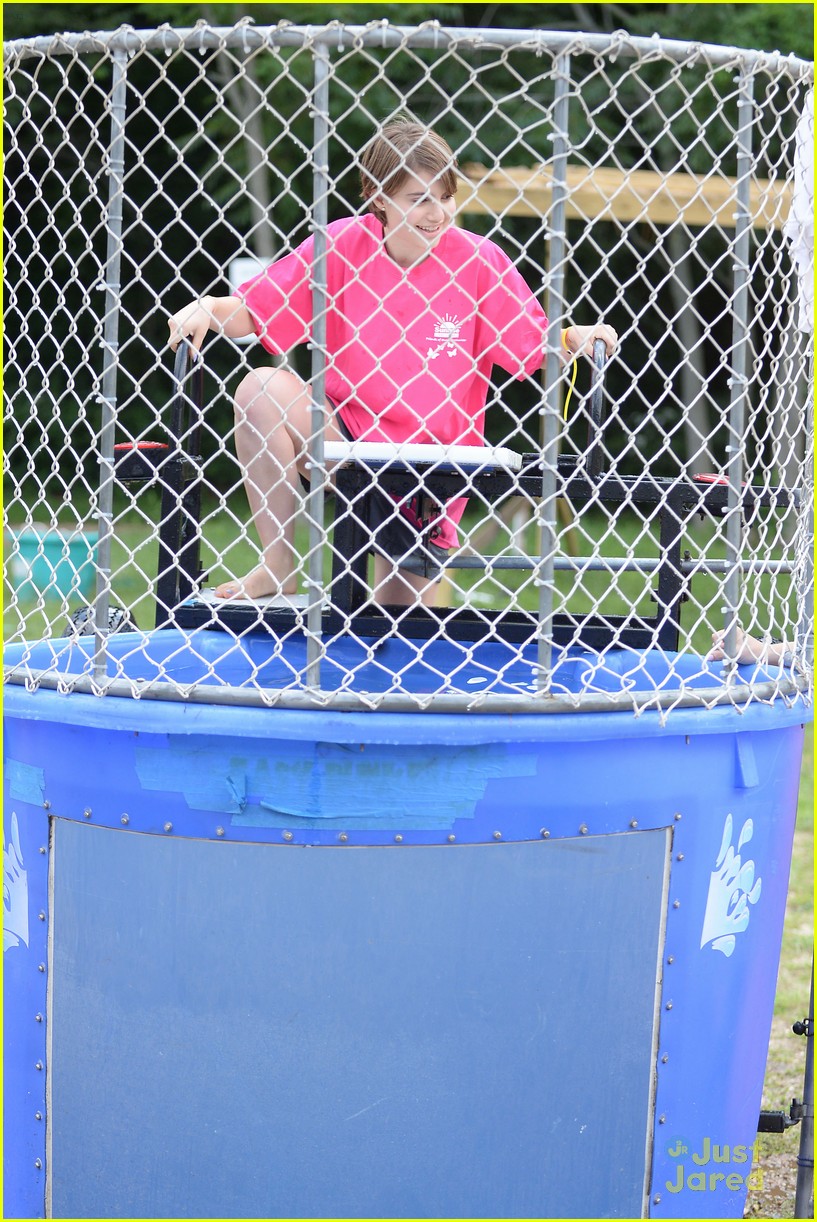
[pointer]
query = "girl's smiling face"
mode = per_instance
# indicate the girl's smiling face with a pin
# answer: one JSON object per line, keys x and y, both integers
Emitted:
{"x": 417, "y": 214}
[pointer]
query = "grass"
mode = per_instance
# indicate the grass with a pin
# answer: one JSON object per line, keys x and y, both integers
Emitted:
{"x": 229, "y": 548}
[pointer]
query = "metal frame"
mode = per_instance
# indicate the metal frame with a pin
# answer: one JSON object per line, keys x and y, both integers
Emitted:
{"x": 177, "y": 465}
{"x": 675, "y": 502}
{"x": 542, "y": 479}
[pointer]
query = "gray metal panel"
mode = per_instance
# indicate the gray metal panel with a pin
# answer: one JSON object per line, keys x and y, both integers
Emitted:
{"x": 265, "y": 1031}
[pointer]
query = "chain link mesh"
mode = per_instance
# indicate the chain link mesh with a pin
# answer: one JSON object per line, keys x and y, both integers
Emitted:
{"x": 606, "y": 537}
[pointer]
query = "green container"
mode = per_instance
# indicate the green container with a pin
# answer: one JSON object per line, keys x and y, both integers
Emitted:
{"x": 53, "y": 562}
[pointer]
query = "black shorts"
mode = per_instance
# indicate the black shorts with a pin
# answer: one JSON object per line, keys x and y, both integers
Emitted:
{"x": 401, "y": 527}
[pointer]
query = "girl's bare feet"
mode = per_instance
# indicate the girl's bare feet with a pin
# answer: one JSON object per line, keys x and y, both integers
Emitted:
{"x": 748, "y": 649}
{"x": 260, "y": 583}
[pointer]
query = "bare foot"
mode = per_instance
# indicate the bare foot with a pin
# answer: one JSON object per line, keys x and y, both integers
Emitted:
{"x": 260, "y": 583}
{"x": 747, "y": 649}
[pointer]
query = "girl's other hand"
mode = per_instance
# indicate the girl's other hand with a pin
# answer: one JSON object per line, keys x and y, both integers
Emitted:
{"x": 191, "y": 323}
{"x": 579, "y": 340}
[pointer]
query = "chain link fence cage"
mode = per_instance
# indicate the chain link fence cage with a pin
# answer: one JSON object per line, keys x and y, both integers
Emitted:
{"x": 621, "y": 512}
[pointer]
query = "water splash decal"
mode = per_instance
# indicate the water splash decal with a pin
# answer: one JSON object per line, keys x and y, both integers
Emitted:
{"x": 15, "y": 891}
{"x": 732, "y": 888}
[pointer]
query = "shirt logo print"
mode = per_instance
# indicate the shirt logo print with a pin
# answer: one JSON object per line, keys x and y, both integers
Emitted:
{"x": 445, "y": 339}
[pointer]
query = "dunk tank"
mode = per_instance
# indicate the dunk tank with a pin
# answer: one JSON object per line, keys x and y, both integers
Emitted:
{"x": 336, "y": 906}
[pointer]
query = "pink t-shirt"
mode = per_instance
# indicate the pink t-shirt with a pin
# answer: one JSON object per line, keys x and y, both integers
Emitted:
{"x": 409, "y": 351}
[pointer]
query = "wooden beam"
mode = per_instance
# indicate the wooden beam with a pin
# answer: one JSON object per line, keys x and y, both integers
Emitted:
{"x": 618, "y": 195}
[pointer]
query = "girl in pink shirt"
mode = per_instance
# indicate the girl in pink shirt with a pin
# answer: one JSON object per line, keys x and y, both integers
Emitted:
{"x": 418, "y": 312}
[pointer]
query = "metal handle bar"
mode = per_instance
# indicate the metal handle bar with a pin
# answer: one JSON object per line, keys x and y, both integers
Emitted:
{"x": 187, "y": 360}
{"x": 595, "y": 452}
{"x": 181, "y": 489}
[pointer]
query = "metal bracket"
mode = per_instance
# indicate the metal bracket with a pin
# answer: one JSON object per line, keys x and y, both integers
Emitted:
{"x": 779, "y": 1122}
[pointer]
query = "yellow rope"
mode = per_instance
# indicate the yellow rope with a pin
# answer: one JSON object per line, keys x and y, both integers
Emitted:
{"x": 572, "y": 376}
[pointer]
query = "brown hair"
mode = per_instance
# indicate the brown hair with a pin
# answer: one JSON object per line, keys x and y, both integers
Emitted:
{"x": 401, "y": 147}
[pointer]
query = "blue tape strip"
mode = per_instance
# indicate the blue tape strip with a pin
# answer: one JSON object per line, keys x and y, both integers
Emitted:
{"x": 318, "y": 781}
{"x": 26, "y": 782}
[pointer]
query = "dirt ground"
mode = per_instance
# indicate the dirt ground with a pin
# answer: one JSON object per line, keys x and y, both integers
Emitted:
{"x": 776, "y": 1198}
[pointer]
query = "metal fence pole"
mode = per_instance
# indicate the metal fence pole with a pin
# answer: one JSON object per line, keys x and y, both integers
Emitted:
{"x": 316, "y": 499}
{"x": 741, "y": 339}
{"x": 804, "y": 1190}
{"x": 550, "y": 419}
{"x": 110, "y": 350}
{"x": 805, "y": 621}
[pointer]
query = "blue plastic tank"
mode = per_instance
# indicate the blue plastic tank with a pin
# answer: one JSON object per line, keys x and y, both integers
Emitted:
{"x": 300, "y": 963}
